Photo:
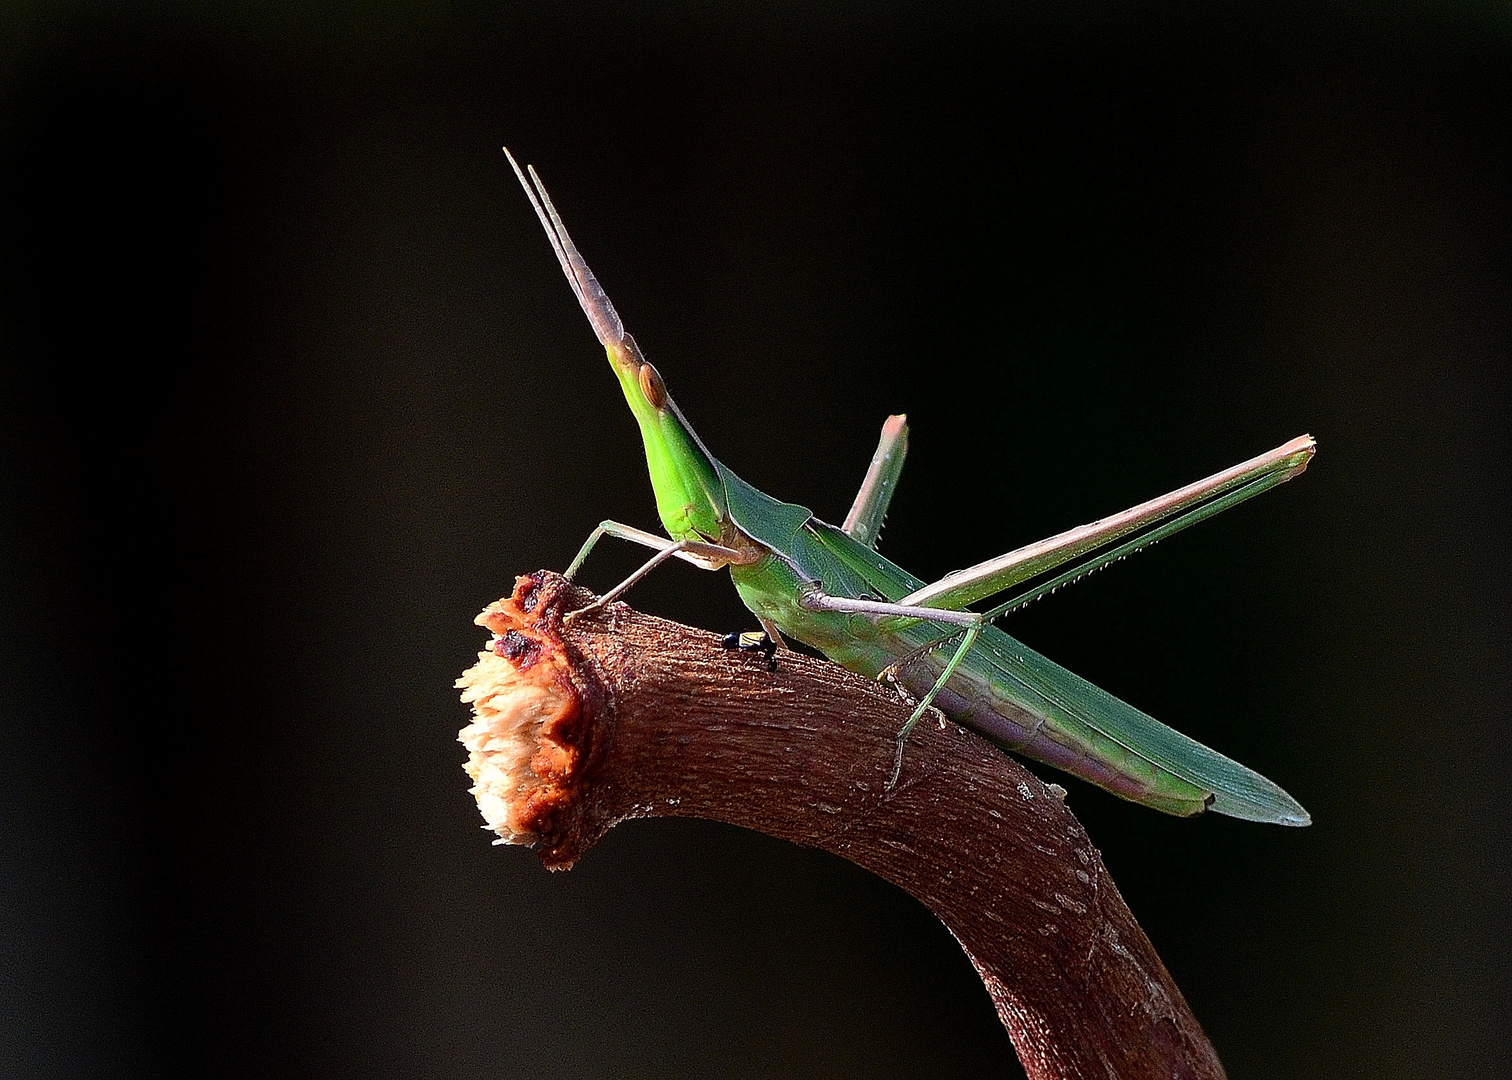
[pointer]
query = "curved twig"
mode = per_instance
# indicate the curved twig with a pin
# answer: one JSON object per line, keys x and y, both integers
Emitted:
{"x": 622, "y": 715}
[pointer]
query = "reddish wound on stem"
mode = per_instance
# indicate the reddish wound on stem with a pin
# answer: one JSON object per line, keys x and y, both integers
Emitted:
{"x": 524, "y": 752}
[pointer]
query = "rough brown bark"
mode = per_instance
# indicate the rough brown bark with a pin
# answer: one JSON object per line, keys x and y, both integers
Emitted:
{"x": 621, "y": 715}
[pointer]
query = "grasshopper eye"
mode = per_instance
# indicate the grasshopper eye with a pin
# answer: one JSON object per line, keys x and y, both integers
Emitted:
{"x": 652, "y": 386}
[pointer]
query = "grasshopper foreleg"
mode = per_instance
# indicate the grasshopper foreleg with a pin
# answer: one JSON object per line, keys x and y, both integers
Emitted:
{"x": 700, "y": 553}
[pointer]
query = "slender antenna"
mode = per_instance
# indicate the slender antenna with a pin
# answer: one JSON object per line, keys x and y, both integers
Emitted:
{"x": 601, "y": 314}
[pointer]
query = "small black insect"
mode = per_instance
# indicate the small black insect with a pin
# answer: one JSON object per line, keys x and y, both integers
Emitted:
{"x": 753, "y": 641}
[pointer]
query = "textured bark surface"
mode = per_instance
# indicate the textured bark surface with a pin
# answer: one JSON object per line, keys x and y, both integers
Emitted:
{"x": 645, "y": 717}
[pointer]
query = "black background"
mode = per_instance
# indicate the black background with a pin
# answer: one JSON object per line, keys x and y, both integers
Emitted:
{"x": 293, "y": 387}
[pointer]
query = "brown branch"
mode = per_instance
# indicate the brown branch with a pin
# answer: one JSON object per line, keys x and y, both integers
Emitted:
{"x": 622, "y": 715}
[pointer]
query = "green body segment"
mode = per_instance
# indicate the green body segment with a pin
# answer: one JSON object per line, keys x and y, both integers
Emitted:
{"x": 1003, "y": 690}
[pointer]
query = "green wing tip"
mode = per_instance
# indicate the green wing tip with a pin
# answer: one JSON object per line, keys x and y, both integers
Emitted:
{"x": 1268, "y": 812}
{"x": 1297, "y": 819}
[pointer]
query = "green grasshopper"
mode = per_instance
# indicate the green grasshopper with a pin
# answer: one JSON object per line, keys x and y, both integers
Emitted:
{"x": 828, "y": 588}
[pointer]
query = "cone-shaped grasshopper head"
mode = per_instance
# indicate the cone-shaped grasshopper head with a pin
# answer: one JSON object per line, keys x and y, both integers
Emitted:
{"x": 690, "y": 497}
